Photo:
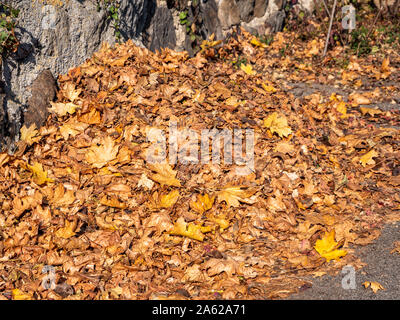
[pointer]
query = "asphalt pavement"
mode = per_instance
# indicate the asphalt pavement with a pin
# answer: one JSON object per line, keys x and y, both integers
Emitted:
{"x": 382, "y": 267}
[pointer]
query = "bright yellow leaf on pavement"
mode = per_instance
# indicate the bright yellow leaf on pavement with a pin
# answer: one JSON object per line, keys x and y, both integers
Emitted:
{"x": 327, "y": 247}
{"x": 375, "y": 286}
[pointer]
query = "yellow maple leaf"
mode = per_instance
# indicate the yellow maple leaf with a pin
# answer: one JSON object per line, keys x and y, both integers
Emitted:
{"x": 327, "y": 247}
{"x": 99, "y": 156}
{"x": 258, "y": 43}
{"x": 190, "y": 230}
{"x": 39, "y": 175}
{"x": 248, "y": 69}
{"x": 366, "y": 159}
{"x": 70, "y": 92}
{"x": 68, "y": 230}
{"x": 165, "y": 174}
{"x": 62, "y": 109}
{"x": 234, "y": 195}
{"x": 209, "y": 43}
{"x": 29, "y": 135}
{"x": 375, "y": 286}
{"x": 268, "y": 88}
{"x": 341, "y": 107}
{"x": 18, "y": 294}
{"x": 168, "y": 200}
{"x": 202, "y": 204}
{"x": 277, "y": 123}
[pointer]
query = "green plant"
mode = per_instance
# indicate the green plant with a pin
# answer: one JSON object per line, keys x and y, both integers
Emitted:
{"x": 111, "y": 7}
{"x": 8, "y": 40}
{"x": 360, "y": 42}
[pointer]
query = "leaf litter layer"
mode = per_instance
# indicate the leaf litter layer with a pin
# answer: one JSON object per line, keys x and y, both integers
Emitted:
{"x": 79, "y": 195}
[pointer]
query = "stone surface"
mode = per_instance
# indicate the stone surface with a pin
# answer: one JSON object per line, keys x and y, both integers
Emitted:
{"x": 58, "y": 37}
{"x": 43, "y": 90}
{"x": 162, "y": 31}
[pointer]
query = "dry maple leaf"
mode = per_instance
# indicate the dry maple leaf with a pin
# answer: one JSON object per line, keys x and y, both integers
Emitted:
{"x": 193, "y": 274}
{"x": 70, "y": 92}
{"x": 39, "y": 175}
{"x": 221, "y": 220}
{"x": 234, "y": 195}
{"x": 216, "y": 266}
{"x": 61, "y": 109}
{"x": 190, "y": 230}
{"x": 277, "y": 123}
{"x": 366, "y": 159}
{"x": 68, "y": 230}
{"x": 357, "y": 98}
{"x": 327, "y": 247}
{"x": 99, "y": 156}
{"x": 62, "y": 197}
{"x": 202, "y": 204}
{"x": 372, "y": 112}
{"x": 375, "y": 286}
{"x": 165, "y": 174}
{"x": 29, "y": 135}
{"x": 72, "y": 128}
{"x": 92, "y": 117}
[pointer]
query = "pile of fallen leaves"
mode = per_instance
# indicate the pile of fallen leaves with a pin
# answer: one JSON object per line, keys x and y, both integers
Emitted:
{"x": 78, "y": 195}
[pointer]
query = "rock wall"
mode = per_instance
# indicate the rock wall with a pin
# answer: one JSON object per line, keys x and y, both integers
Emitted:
{"x": 56, "y": 35}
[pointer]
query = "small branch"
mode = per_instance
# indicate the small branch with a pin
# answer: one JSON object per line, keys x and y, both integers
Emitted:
{"x": 326, "y": 8}
{"x": 330, "y": 28}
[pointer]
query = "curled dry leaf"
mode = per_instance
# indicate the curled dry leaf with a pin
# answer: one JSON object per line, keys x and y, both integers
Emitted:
{"x": 216, "y": 266}
{"x": 68, "y": 230}
{"x": 234, "y": 195}
{"x": 165, "y": 174}
{"x": 375, "y": 286}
